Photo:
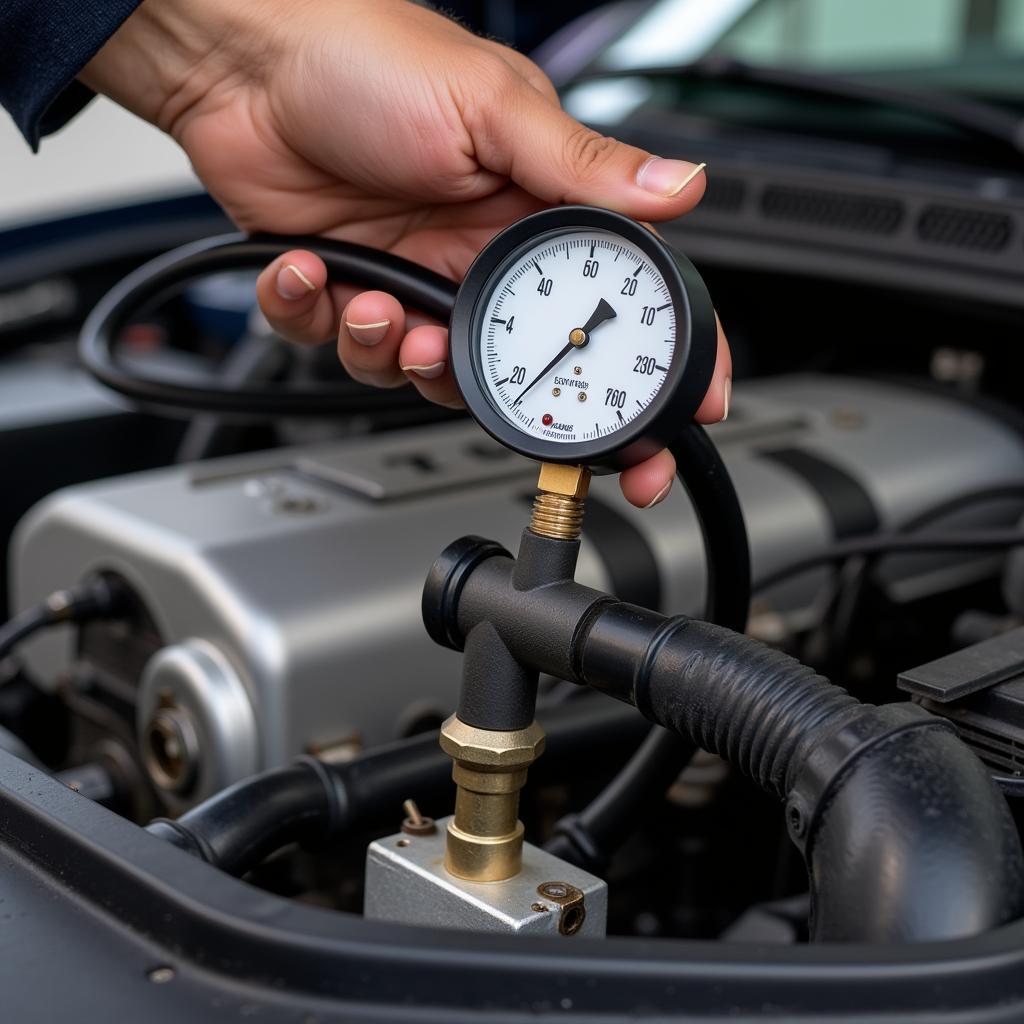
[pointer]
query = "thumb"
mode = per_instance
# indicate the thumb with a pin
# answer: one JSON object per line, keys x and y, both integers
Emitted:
{"x": 527, "y": 138}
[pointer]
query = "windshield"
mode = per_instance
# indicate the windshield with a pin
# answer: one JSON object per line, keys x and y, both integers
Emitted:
{"x": 967, "y": 55}
{"x": 974, "y": 46}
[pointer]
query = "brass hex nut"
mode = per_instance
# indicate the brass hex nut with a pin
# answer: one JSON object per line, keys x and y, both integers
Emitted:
{"x": 569, "y": 481}
{"x": 489, "y": 748}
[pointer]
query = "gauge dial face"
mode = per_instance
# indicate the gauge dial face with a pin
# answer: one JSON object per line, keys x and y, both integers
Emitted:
{"x": 577, "y": 335}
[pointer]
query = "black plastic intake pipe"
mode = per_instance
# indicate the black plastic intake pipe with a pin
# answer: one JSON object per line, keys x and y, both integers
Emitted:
{"x": 905, "y": 836}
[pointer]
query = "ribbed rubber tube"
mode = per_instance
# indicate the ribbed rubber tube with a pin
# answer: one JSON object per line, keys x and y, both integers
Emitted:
{"x": 734, "y": 696}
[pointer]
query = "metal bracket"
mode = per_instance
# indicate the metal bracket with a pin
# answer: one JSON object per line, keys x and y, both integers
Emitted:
{"x": 406, "y": 882}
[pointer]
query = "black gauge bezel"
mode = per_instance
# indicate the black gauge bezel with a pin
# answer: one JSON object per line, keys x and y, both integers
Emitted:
{"x": 693, "y": 360}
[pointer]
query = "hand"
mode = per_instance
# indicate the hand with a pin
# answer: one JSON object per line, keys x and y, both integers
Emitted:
{"x": 381, "y": 122}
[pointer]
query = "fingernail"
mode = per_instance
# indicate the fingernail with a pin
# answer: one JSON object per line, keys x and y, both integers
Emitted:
{"x": 726, "y": 397}
{"x": 292, "y": 283}
{"x": 660, "y": 496}
{"x": 369, "y": 334}
{"x": 429, "y": 372}
{"x": 667, "y": 178}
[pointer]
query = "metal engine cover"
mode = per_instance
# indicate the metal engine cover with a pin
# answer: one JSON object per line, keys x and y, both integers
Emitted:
{"x": 302, "y": 568}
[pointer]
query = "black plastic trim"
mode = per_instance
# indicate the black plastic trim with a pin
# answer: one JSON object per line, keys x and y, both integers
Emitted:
{"x": 219, "y": 933}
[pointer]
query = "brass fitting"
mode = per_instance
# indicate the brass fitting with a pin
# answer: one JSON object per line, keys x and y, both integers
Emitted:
{"x": 559, "y": 504}
{"x": 485, "y": 837}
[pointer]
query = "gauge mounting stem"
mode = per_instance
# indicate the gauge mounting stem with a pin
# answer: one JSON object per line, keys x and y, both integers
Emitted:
{"x": 485, "y": 838}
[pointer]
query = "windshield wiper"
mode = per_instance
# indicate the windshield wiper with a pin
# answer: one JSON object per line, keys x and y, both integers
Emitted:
{"x": 974, "y": 117}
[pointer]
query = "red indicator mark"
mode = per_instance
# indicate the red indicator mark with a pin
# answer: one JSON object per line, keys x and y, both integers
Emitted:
{"x": 547, "y": 419}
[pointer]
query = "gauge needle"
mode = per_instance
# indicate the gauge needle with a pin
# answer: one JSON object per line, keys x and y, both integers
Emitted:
{"x": 578, "y": 337}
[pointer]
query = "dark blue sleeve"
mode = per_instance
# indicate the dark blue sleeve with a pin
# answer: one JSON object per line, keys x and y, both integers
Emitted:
{"x": 43, "y": 45}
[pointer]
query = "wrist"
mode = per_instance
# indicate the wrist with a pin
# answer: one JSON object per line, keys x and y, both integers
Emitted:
{"x": 171, "y": 54}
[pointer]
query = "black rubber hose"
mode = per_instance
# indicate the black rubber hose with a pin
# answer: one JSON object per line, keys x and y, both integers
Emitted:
{"x": 723, "y": 529}
{"x": 844, "y": 609}
{"x": 905, "y": 835}
{"x": 878, "y": 545}
{"x": 417, "y": 287}
{"x": 245, "y": 823}
{"x": 313, "y": 802}
{"x": 98, "y": 597}
{"x": 589, "y": 837}
{"x": 23, "y": 625}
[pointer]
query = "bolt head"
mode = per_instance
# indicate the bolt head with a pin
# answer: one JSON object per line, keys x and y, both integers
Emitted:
{"x": 556, "y": 889}
{"x": 171, "y": 750}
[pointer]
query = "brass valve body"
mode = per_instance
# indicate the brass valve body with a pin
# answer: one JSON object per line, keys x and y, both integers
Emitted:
{"x": 485, "y": 837}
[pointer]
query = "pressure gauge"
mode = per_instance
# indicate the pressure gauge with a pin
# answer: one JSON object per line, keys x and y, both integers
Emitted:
{"x": 579, "y": 337}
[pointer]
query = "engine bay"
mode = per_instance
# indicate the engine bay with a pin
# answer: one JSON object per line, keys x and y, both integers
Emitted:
{"x": 230, "y": 770}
